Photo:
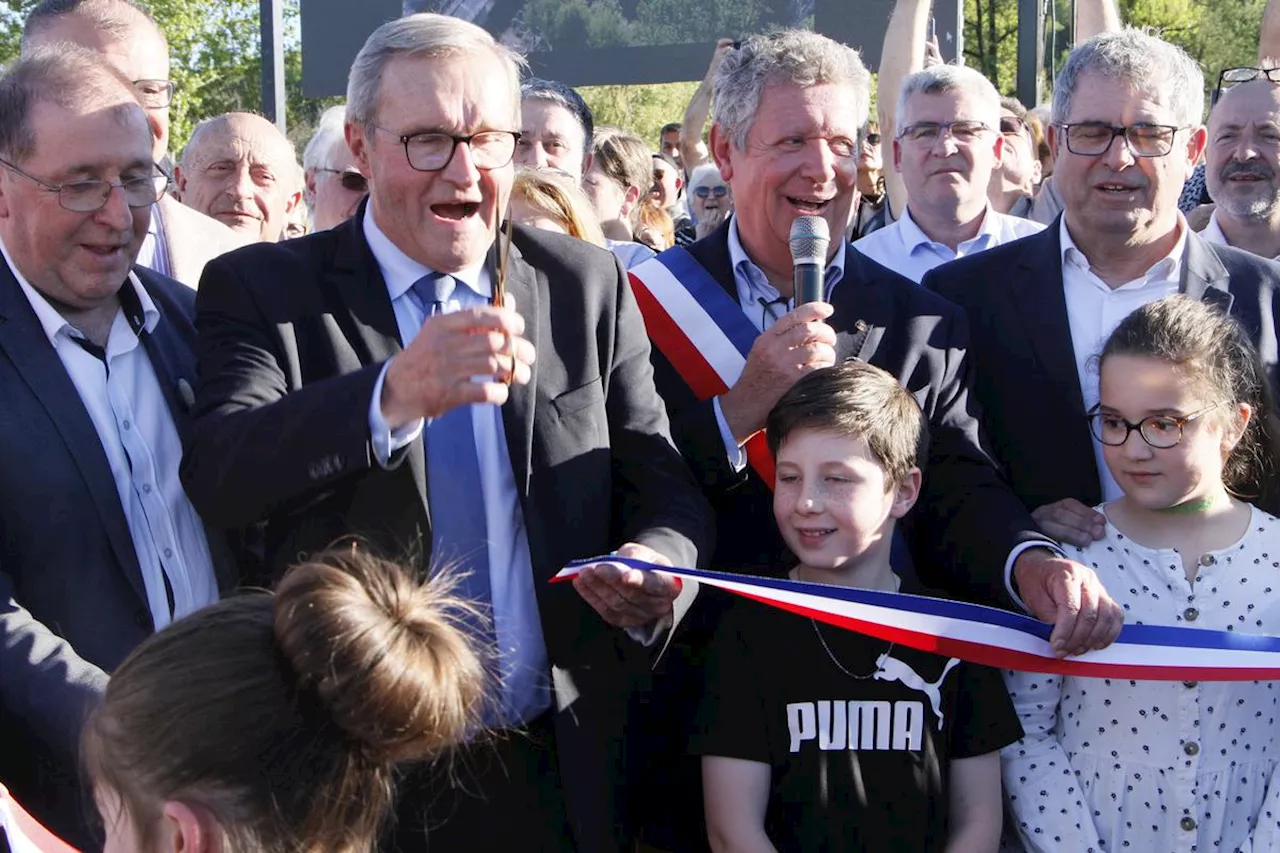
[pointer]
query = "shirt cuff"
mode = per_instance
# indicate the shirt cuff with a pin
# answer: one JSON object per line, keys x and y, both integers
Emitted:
{"x": 737, "y": 456}
{"x": 386, "y": 441}
{"x": 1047, "y": 544}
{"x": 648, "y": 635}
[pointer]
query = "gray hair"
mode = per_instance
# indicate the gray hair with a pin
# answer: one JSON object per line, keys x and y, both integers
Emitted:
{"x": 790, "y": 56}
{"x": 114, "y": 17}
{"x": 424, "y": 34}
{"x": 63, "y": 74}
{"x": 328, "y": 133}
{"x": 940, "y": 79}
{"x": 704, "y": 174}
{"x": 1147, "y": 63}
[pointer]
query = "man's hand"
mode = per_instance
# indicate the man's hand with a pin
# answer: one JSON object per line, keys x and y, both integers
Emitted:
{"x": 723, "y": 47}
{"x": 1070, "y": 596}
{"x": 1068, "y": 520}
{"x": 624, "y": 597}
{"x": 435, "y": 372}
{"x": 932, "y": 52}
{"x": 800, "y": 342}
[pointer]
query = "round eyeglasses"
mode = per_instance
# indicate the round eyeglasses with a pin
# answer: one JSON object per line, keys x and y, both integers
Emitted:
{"x": 90, "y": 196}
{"x": 1159, "y": 431}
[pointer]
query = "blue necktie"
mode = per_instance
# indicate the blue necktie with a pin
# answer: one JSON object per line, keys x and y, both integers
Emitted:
{"x": 459, "y": 535}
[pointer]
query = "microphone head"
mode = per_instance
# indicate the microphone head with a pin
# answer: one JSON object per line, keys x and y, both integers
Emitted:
{"x": 810, "y": 238}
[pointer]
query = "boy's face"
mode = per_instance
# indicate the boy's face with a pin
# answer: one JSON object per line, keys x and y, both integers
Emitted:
{"x": 832, "y": 502}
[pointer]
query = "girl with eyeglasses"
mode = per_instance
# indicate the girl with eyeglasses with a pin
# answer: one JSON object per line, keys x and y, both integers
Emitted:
{"x": 1107, "y": 764}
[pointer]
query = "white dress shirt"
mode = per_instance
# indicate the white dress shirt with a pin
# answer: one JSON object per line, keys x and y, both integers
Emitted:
{"x": 1212, "y": 233}
{"x": 1095, "y": 308}
{"x": 517, "y": 625}
{"x": 763, "y": 305}
{"x": 124, "y": 400}
{"x": 904, "y": 248}
{"x": 153, "y": 254}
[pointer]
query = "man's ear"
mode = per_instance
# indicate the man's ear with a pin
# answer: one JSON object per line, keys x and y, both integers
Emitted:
{"x": 179, "y": 182}
{"x": 587, "y": 160}
{"x": 1051, "y": 136}
{"x": 897, "y": 156}
{"x": 722, "y": 151}
{"x": 629, "y": 199}
{"x": 906, "y": 493}
{"x": 293, "y": 201}
{"x": 359, "y": 145}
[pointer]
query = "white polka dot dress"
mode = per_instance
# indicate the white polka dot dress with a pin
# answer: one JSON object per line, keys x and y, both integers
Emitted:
{"x": 1157, "y": 766}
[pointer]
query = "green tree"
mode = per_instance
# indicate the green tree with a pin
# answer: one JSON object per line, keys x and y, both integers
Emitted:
{"x": 643, "y": 110}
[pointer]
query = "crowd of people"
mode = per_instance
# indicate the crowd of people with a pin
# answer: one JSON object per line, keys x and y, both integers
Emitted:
{"x": 293, "y": 450}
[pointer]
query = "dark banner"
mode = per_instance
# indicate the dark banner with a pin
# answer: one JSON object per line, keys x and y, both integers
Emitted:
{"x": 599, "y": 42}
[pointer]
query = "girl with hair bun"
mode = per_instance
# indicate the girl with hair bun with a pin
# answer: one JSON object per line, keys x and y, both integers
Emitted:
{"x": 273, "y": 722}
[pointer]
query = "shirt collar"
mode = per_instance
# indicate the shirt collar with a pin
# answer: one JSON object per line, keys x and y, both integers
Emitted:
{"x": 140, "y": 309}
{"x": 1213, "y": 232}
{"x": 1168, "y": 268}
{"x": 745, "y": 269}
{"x": 913, "y": 236}
{"x": 400, "y": 271}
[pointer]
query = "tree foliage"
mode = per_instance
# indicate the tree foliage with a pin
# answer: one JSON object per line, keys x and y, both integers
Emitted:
{"x": 640, "y": 109}
{"x": 1217, "y": 33}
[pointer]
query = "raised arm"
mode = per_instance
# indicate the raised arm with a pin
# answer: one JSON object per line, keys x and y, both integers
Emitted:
{"x": 1269, "y": 37}
{"x": 902, "y": 55}
{"x": 1094, "y": 17}
{"x": 693, "y": 151}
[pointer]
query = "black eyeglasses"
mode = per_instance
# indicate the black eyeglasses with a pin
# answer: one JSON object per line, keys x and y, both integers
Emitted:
{"x": 1159, "y": 431}
{"x": 719, "y": 191}
{"x": 88, "y": 196}
{"x": 350, "y": 180}
{"x": 1012, "y": 124}
{"x": 1244, "y": 74}
{"x": 154, "y": 94}
{"x": 431, "y": 152}
{"x": 929, "y": 132}
{"x": 1092, "y": 138}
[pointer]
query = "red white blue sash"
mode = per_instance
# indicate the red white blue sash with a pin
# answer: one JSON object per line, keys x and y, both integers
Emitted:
{"x": 700, "y": 329}
{"x": 986, "y": 635}
{"x": 23, "y": 833}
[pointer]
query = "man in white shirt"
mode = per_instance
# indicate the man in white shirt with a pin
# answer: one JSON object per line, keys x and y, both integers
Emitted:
{"x": 948, "y": 146}
{"x": 179, "y": 241}
{"x": 100, "y": 545}
{"x": 1126, "y": 134}
{"x": 1242, "y": 161}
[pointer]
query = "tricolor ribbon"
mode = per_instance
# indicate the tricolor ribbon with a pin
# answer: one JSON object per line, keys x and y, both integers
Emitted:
{"x": 993, "y": 637}
{"x": 700, "y": 329}
{"x": 23, "y": 834}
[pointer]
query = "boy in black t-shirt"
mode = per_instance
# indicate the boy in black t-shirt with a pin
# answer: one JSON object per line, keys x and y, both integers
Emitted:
{"x": 818, "y": 739}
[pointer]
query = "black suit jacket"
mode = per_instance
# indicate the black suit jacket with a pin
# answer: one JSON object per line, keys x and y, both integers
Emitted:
{"x": 1025, "y": 361}
{"x": 967, "y": 519}
{"x": 72, "y": 599}
{"x": 292, "y": 339}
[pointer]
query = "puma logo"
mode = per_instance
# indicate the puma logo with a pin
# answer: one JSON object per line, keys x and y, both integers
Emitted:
{"x": 892, "y": 669}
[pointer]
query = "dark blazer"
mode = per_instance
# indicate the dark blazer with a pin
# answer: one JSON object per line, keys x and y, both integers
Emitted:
{"x": 292, "y": 339}
{"x": 967, "y": 519}
{"x": 1025, "y": 363}
{"x": 72, "y": 599}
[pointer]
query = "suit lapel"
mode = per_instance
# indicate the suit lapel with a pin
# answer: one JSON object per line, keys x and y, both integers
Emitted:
{"x": 356, "y": 277}
{"x": 1041, "y": 303}
{"x": 1203, "y": 275}
{"x": 713, "y": 253}
{"x": 25, "y": 343}
{"x": 517, "y": 415}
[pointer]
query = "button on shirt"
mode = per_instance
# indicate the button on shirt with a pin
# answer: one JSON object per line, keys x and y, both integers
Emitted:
{"x": 522, "y": 649}
{"x": 123, "y": 398}
{"x": 763, "y": 305}
{"x": 1212, "y": 233}
{"x": 1094, "y": 309}
{"x": 904, "y": 248}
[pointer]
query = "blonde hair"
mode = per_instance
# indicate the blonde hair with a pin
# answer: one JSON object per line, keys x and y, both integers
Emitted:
{"x": 557, "y": 195}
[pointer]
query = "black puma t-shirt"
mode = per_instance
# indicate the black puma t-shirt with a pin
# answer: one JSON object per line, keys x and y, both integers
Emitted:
{"x": 857, "y": 764}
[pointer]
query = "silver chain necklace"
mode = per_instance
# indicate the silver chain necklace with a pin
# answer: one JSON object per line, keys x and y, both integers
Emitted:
{"x": 836, "y": 661}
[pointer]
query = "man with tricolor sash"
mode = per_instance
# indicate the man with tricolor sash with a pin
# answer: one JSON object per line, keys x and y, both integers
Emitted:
{"x": 729, "y": 341}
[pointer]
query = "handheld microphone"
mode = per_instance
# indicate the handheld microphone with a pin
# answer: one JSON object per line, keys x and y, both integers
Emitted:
{"x": 810, "y": 238}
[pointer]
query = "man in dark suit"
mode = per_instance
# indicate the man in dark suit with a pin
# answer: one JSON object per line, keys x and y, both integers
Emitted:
{"x": 1042, "y": 307}
{"x": 788, "y": 111}
{"x": 99, "y": 545}
{"x": 335, "y": 369}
